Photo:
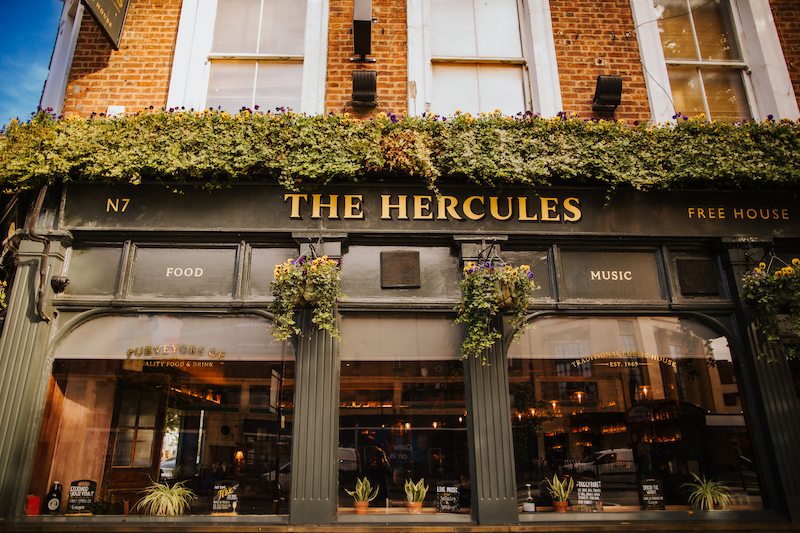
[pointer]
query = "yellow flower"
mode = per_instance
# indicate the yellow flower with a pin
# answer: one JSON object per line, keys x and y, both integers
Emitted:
{"x": 796, "y": 261}
{"x": 762, "y": 266}
{"x": 524, "y": 267}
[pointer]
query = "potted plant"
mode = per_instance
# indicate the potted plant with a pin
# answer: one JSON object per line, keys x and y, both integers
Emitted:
{"x": 773, "y": 298}
{"x": 306, "y": 282}
{"x": 163, "y": 499}
{"x": 490, "y": 287}
{"x": 560, "y": 491}
{"x": 363, "y": 494}
{"x": 415, "y": 495}
{"x": 707, "y": 495}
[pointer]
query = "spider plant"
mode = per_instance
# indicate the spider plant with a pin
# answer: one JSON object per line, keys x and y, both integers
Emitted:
{"x": 163, "y": 499}
{"x": 707, "y": 494}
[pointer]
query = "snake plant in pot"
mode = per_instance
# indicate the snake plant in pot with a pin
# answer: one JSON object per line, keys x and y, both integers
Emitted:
{"x": 415, "y": 495}
{"x": 362, "y": 495}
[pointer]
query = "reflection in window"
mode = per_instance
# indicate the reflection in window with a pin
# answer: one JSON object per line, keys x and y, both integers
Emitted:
{"x": 402, "y": 409}
{"x": 659, "y": 402}
{"x": 202, "y": 420}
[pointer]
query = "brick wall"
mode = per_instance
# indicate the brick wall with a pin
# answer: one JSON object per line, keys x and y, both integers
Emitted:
{"x": 135, "y": 76}
{"x": 388, "y": 49}
{"x": 787, "y": 20}
{"x": 590, "y": 32}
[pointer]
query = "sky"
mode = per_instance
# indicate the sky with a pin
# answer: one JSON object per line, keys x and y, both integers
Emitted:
{"x": 29, "y": 29}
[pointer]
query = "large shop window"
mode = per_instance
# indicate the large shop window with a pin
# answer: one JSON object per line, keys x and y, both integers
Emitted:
{"x": 145, "y": 398}
{"x": 402, "y": 411}
{"x": 638, "y": 404}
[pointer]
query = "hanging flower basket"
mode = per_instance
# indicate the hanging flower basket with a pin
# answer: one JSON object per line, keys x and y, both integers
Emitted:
{"x": 773, "y": 297}
{"x": 306, "y": 283}
{"x": 490, "y": 287}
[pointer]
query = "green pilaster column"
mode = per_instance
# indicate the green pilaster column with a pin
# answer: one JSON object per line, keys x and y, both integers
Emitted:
{"x": 494, "y": 495}
{"x": 24, "y": 373}
{"x": 316, "y": 426}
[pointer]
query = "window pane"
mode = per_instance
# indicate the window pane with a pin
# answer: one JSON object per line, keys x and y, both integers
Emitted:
{"x": 687, "y": 92}
{"x": 675, "y": 26}
{"x": 236, "y": 26}
{"x": 230, "y": 85}
{"x": 477, "y": 89}
{"x": 468, "y": 28}
{"x": 625, "y": 401}
{"x": 144, "y": 447}
{"x": 402, "y": 418}
{"x": 453, "y": 29}
{"x": 123, "y": 450}
{"x": 725, "y": 93}
{"x": 279, "y": 84}
{"x": 283, "y": 27}
{"x": 715, "y": 33}
{"x": 147, "y": 412}
{"x": 129, "y": 409}
{"x": 497, "y": 28}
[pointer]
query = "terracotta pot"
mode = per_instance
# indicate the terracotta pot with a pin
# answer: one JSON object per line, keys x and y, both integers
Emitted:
{"x": 560, "y": 507}
{"x": 361, "y": 507}
{"x": 414, "y": 507}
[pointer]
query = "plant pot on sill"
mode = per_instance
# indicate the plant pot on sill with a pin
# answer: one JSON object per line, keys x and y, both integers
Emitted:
{"x": 560, "y": 507}
{"x": 414, "y": 507}
{"x": 361, "y": 507}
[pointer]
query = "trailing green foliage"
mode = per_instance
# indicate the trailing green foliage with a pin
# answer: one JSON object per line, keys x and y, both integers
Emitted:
{"x": 306, "y": 282}
{"x": 771, "y": 295}
{"x": 491, "y": 287}
{"x": 212, "y": 149}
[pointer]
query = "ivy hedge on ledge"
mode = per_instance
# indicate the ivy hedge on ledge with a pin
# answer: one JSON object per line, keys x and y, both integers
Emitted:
{"x": 212, "y": 149}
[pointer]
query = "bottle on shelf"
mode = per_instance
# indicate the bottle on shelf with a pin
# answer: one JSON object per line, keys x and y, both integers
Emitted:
{"x": 53, "y": 499}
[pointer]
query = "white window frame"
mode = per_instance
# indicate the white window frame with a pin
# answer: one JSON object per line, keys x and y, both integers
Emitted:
{"x": 540, "y": 69}
{"x": 55, "y": 88}
{"x": 766, "y": 78}
{"x": 191, "y": 64}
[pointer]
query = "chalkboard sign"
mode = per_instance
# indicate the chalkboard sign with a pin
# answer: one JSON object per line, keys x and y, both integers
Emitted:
{"x": 81, "y": 497}
{"x": 448, "y": 499}
{"x": 651, "y": 495}
{"x": 589, "y": 493}
{"x": 226, "y": 497}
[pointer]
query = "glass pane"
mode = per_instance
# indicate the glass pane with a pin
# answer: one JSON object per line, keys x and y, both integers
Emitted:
{"x": 123, "y": 450}
{"x": 453, "y": 28}
{"x": 230, "y": 85}
{"x": 279, "y": 84}
{"x": 501, "y": 87}
{"x": 455, "y": 87}
{"x": 628, "y": 402}
{"x": 715, "y": 32}
{"x": 497, "y": 29}
{"x": 129, "y": 409}
{"x": 402, "y": 418}
{"x": 675, "y": 27}
{"x": 147, "y": 412}
{"x": 236, "y": 26}
{"x": 687, "y": 91}
{"x": 144, "y": 447}
{"x": 283, "y": 27}
{"x": 725, "y": 93}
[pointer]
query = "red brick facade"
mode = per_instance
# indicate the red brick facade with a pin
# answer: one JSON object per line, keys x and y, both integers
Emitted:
{"x": 135, "y": 76}
{"x": 590, "y": 39}
{"x": 388, "y": 49}
{"x": 588, "y": 33}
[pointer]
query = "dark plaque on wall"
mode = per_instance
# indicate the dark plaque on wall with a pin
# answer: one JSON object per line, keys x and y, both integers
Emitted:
{"x": 448, "y": 499}
{"x": 110, "y": 16}
{"x": 651, "y": 495}
{"x": 81, "y": 496}
{"x": 226, "y": 497}
{"x": 400, "y": 270}
{"x": 697, "y": 277}
{"x": 611, "y": 275}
